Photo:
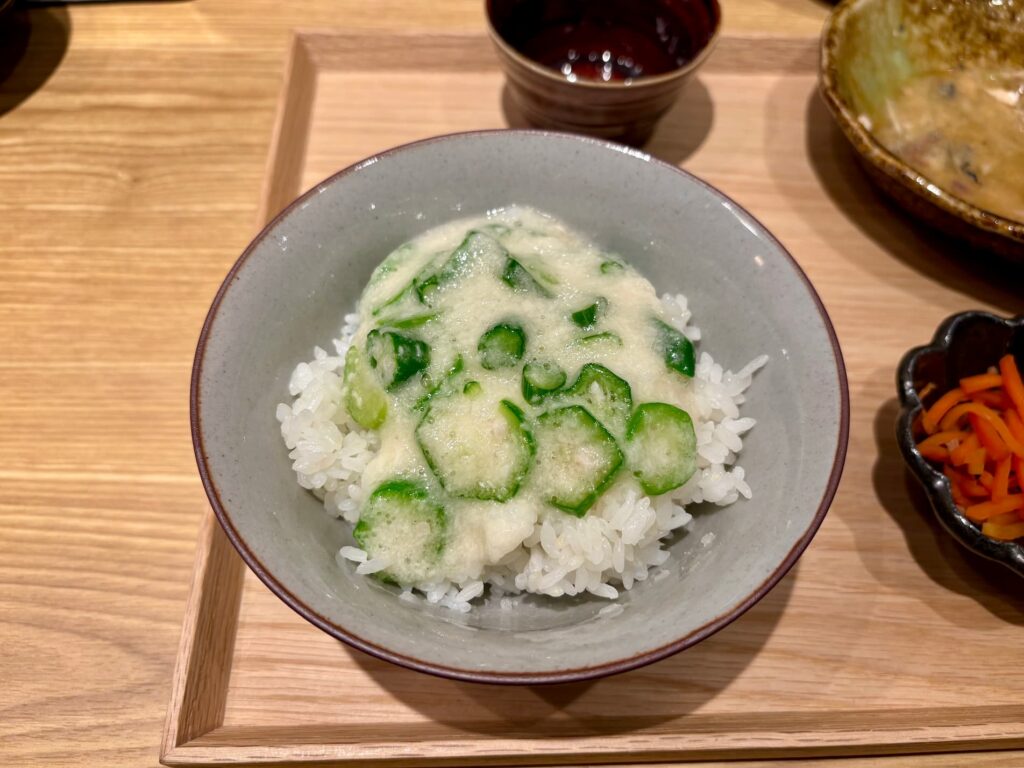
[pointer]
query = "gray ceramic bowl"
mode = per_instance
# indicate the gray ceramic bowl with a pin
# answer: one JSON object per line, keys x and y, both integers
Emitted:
{"x": 291, "y": 287}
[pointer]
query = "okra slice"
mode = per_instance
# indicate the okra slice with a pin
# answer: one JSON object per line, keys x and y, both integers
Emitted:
{"x": 403, "y": 524}
{"x": 587, "y": 317}
{"x": 478, "y": 447}
{"x": 364, "y": 397}
{"x": 603, "y": 339}
{"x": 475, "y": 249}
{"x": 522, "y": 280}
{"x": 661, "y": 447}
{"x": 439, "y": 386}
{"x": 396, "y": 358}
{"x": 576, "y": 459}
{"x": 607, "y": 396}
{"x": 540, "y": 379}
{"x": 413, "y": 321}
{"x": 502, "y": 346}
{"x": 676, "y": 349}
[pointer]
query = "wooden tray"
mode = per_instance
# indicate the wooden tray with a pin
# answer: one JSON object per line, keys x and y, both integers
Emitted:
{"x": 886, "y": 639}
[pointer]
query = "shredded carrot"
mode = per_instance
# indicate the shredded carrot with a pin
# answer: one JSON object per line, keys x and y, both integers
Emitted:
{"x": 987, "y": 509}
{"x": 958, "y": 456}
{"x": 992, "y": 398}
{"x": 1001, "y": 479}
{"x": 931, "y": 418}
{"x": 1003, "y": 532}
{"x": 1012, "y": 382}
{"x": 1015, "y": 424}
{"x": 975, "y": 432}
{"x": 976, "y": 462}
{"x": 982, "y": 381}
{"x": 961, "y": 410}
{"x": 989, "y": 437}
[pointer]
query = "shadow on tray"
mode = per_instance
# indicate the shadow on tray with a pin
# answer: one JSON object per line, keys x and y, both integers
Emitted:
{"x": 679, "y": 134}
{"x": 983, "y": 276}
{"x": 665, "y": 691}
{"x": 943, "y": 560}
{"x": 32, "y": 45}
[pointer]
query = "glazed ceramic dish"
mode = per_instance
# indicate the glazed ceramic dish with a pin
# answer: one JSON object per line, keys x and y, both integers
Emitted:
{"x": 291, "y": 288}
{"x": 964, "y": 345}
{"x": 874, "y": 50}
{"x": 619, "y": 110}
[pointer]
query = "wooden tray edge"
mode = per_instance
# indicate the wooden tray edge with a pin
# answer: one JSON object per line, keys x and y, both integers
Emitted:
{"x": 203, "y": 664}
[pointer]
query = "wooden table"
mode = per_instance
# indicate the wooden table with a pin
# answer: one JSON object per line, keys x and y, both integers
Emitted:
{"x": 134, "y": 140}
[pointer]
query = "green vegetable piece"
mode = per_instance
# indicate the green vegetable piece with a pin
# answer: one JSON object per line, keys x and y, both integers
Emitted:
{"x": 604, "y": 394}
{"x": 675, "y": 348}
{"x": 402, "y": 304}
{"x": 415, "y": 321}
{"x": 472, "y": 388}
{"x": 606, "y": 338}
{"x": 391, "y": 262}
{"x": 521, "y": 280}
{"x": 401, "y": 522}
{"x": 586, "y": 318}
{"x": 365, "y": 400}
{"x": 442, "y": 386}
{"x": 476, "y": 248}
{"x": 611, "y": 267}
{"x": 501, "y": 346}
{"x": 576, "y": 459}
{"x": 477, "y": 447}
{"x": 395, "y": 357}
{"x": 540, "y": 379}
{"x": 662, "y": 447}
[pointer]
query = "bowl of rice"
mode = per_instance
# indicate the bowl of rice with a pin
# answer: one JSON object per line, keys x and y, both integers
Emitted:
{"x": 518, "y": 407}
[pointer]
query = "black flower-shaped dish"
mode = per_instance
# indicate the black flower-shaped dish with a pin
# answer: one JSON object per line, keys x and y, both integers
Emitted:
{"x": 964, "y": 345}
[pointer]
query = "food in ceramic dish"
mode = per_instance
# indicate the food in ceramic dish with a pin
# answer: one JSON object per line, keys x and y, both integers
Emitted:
{"x": 963, "y": 129}
{"x": 514, "y": 409}
{"x": 975, "y": 431}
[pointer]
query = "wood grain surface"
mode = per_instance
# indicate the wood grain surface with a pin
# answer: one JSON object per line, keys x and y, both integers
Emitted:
{"x": 134, "y": 142}
{"x": 849, "y": 655}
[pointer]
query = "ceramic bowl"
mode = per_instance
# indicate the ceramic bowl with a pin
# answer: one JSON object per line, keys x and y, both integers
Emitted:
{"x": 293, "y": 284}
{"x": 617, "y": 110}
{"x": 871, "y": 48}
{"x": 964, "y": 345}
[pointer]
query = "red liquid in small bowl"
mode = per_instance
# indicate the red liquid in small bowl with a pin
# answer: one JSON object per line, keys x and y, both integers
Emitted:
{"x": 606, "y": 40}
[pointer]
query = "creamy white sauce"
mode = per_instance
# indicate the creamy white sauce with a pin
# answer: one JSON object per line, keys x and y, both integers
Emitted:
{"x": 482, "y": 533}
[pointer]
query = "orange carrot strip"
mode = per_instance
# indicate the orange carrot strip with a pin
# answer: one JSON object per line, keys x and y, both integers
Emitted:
{"x": 931, "y": 418}
{"x": 1001, "y": 479}
{"x": 940, "y": 440}
{"x": 1015, "y": 424}
{"x": 1012, "y": 382}
{"x": 1003, "y": 532}
{"x": 957, "y": 412}
{"x": 960, "y": 454}
{"x": 973, "y": 488}
{"x": 1007, "y": 518}
{"x": 989, "y": 438}
{"x": 987, "y": 480}
{"x": 935, "y": 453}
{"x": 993, "y": 398}
{"x": 982, "y": 381}
{"x": 987, "y": 509}
{"x": 976, "y": 462}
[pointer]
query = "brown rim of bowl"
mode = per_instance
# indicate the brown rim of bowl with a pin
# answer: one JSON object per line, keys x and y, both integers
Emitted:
{"x": 510, "y": 678}
{"x": 640, "y": 82}
{"x": 870, "y": 148}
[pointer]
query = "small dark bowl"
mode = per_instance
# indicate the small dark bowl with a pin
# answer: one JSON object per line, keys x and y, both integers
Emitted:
{"x": 615, "y": 110}
{"x": 965, "y": 344}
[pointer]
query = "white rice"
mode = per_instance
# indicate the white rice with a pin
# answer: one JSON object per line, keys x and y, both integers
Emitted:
{"x": 617, "y": 544}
